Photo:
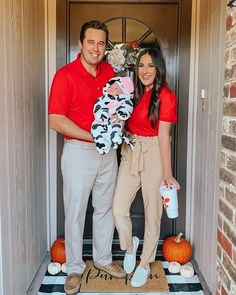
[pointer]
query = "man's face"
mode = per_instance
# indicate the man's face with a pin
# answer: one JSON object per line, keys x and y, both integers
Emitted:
{"x": 93, "y": 47}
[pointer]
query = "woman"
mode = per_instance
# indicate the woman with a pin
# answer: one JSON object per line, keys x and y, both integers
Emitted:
{"x": 148, "y": 165}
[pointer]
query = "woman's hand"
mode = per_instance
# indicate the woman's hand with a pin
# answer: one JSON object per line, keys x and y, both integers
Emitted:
{"x": 115, "y": 120}
{"x": 170, "y": 181}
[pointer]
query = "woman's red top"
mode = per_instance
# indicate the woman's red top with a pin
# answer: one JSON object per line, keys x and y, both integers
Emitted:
{"x": 139, "y": 122}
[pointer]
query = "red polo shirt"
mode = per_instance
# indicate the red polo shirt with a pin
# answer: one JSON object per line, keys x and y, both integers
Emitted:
{"x": 139, "y": 122}
{"x": 74, "y": 92}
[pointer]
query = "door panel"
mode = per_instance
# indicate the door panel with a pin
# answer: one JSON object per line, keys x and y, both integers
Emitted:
{"x": 170, "y": 25}
{"x": 161, "y": 18}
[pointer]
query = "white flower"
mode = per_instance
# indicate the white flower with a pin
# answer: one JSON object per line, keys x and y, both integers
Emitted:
{"x": 122, "y": 56}
{"x": 116, "y": 59}
{"x": 120, "y": 46}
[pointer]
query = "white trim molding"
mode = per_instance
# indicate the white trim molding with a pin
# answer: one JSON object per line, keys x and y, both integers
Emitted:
{"x": 192, "y": 120}
{"x": 50, "y": 54}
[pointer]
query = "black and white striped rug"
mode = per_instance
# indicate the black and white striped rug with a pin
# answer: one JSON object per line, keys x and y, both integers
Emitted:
{"x": 177, "y": 284}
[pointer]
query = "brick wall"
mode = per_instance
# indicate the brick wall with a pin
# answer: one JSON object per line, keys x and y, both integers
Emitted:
{"x": 226, "y": 255}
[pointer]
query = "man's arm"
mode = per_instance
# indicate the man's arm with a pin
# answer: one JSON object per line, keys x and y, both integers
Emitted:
{"x": 65, "y": 126}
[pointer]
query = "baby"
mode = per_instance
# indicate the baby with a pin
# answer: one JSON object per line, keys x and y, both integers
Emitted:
{"x": 110, "y": 112}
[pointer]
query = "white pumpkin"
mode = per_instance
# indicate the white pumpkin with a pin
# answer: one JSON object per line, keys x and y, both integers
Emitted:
{"x": 186, "y": 271}
{"x": 54, "y": 268}
{"x": 63, "y": 268}
{"x": 174, "y": 267}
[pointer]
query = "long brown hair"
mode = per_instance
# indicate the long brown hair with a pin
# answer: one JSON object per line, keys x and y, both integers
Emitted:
{"x": 159, "y": 81}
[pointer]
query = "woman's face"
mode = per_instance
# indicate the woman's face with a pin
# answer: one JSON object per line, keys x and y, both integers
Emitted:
{"x": 146, "y": 71}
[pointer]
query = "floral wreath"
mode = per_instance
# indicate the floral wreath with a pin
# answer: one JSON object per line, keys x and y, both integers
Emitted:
{"x": 122, "y": 57}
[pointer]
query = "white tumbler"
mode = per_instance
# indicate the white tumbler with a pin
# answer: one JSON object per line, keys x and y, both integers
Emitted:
{"x": 170, "y": 200}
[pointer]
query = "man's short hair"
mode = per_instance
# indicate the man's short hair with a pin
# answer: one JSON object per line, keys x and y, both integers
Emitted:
{"x": 93, "y": 24}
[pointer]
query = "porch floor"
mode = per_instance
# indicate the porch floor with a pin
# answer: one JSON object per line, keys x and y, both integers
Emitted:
{"x": 46, "y": 284}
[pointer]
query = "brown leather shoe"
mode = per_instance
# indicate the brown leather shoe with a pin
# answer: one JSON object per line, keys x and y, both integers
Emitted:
{"x": 113, "y": 269}
{"x": 72, "y": 283}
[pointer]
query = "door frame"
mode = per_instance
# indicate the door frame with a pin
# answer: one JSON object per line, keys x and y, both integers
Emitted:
{"x": 50, "y": 62}
{"x": 51, "y": 54}
{"x": 192, "y": 121}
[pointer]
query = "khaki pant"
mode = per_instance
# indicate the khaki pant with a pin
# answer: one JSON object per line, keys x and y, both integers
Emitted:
{"x": 85, "y": 170}
{"x": 139, "y": 168}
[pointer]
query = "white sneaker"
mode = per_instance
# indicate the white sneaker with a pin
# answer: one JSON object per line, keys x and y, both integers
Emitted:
{"x": 140, "y": 276}
{"x": 130, "y": 259}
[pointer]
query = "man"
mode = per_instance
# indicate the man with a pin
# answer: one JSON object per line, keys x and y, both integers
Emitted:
{"x": 74, "y": 91}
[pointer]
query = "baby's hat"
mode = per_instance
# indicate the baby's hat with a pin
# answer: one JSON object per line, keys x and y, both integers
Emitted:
{"x": 126, "y": 84}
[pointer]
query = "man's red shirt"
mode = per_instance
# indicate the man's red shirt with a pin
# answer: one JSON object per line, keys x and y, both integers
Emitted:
{"x": 74, "y": 92}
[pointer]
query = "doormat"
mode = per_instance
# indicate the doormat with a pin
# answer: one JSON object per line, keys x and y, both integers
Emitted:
{"x": 94, "y": 280}
{"x": 178, "y": 285}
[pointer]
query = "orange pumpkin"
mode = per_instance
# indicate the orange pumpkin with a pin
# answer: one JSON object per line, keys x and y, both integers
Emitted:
{"x": 58, "y": 252}
{"x": 177, "y": 249}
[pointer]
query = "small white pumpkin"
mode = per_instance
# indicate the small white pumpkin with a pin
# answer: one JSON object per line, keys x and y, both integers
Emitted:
{"x": 54, "y": 268}
{"x": 174, "y": 267}
{"x": 187, "y": 271}
{"x": 63, "y": 268}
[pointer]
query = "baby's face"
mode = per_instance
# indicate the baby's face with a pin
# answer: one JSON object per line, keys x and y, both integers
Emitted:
{"x": 114, "y": 89}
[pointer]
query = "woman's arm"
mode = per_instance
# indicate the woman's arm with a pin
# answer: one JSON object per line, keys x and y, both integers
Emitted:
{"x": 165, "y": 150}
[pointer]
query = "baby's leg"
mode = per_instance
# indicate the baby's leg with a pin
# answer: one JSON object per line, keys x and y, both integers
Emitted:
{"x": 101, "y": 138}
{"x": 115, "y": 131}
